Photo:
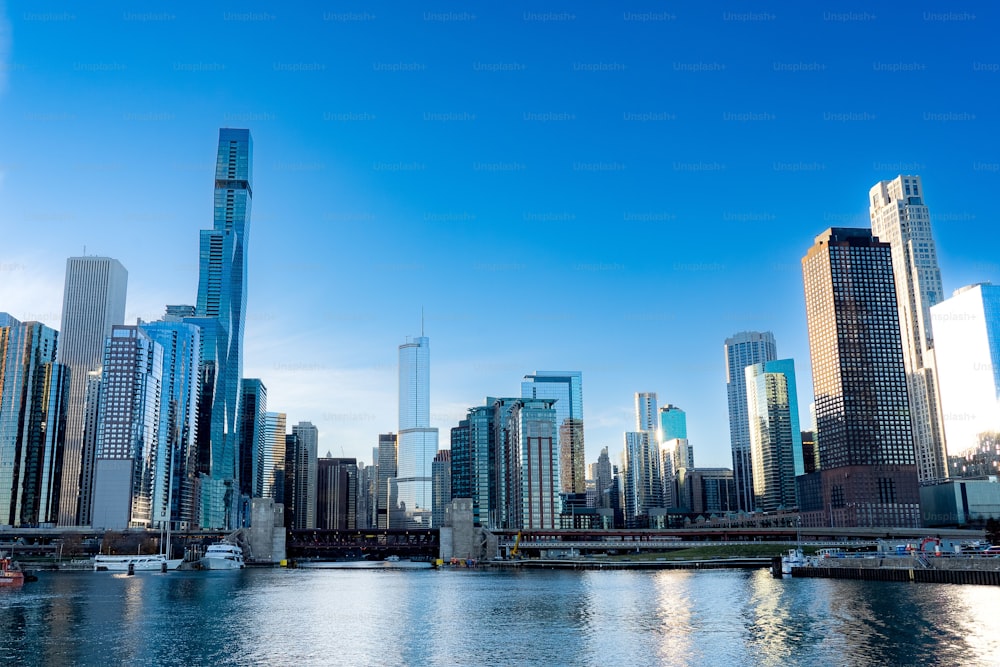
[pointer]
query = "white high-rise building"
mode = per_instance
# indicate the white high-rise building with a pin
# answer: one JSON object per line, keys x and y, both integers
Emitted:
{"x": 417, "y": 442}
{"x": 900, "y": 218}
{"x": 93, "y": 302}
{"x": 967, "y": 350}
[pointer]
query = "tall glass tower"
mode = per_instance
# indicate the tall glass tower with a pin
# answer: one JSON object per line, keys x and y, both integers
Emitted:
{"x": 775, "y": 438}
{"x": 222, "y": 297}
{"x": 566, "y": 387}
{"x": 744, "y": 349}
{"x": 417, "y": 443}
{"x": 900, "y": 218}
{"x": 33, "y": 393}
{"x": 93, "y": 302}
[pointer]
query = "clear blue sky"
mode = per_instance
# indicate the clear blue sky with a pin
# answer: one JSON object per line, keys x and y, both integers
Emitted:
{"x": 613, "y": 188}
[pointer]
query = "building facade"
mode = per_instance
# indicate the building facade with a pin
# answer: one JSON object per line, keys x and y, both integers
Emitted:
{"x": 529, "y": 463}
{"x": 304, "y": 455}
{"x": 336, "y": 493}
{"x": 900, "y": 218}
{"x": 93, "y": 302}
{"x": 275, "y": 430}
{"x": 386, "y": 499}
{"x": 175, "y": 485}
{"x": 221, "y": 312}
{"x": 252, "y": 437}
{"x": 868, "y": 474}
{"x": 967, "y": 352}
{"x": 34, "y": 392}
{"x": 775, "y": 438}
{"x": 417, "y": 443}
{"x": 441, "y": 476}
{"x": 741, "y": 350}
{"x": 128, "y": 430}
{"x": 566, "y": 389}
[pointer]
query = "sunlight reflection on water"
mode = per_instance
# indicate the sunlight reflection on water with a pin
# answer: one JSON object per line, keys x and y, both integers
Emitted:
{"x": 323, "y": 617}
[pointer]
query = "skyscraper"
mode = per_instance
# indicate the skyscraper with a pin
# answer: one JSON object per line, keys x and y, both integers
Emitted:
{"x": 174, "y": 489}
{"x": 967, "y": 350}
{"x": 93, "y": 301}
{"x": 603, "y": 479}
{"x": 128, "y": 427}
{"x": 336, "y": 493}
{"x": 900, "y": 218}
{"x": 645, "y": 412}
{"x": 868, "y": 474}
{"x": 441, "y": 476}
{"x": 221, "y": 311}
{"x": 385, "y": 509}
{"x": 744, "y": 349}
{"x": 253, "y": 437}
{"x": 673, "y": 423}
{"x": 775, "y": 438}
{"x": 305, "y": 457}
{"x": 33, "y": 395}
{"x": 274, "y": 456}
{"x": 566, "y": 388}
{"x": 529, "y": 463}
{"x": 418, "y": 442}
{"x": 643, "y": 482}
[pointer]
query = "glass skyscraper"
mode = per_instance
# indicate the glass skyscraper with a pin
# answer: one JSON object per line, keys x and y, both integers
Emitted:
{"x": 867, "y": 474}
{"x": 33, "y": 395}
{"x": 775, "y": 438}
{"x": 274, "y": 456}
{"x": 673, "y": 423}
{"x": 93, "y": 302}
{"x": 128, "y": 428}
{"x": 967, "y": 350}
{"x": 900, "y": 218}
{"x": 174, "y": 488}
{"x": 417, "y": 443}
{"x": 528, "y": 470}
{"x": 305, "y": 459}
{"x": 566, "y": 388}
{"x": 221, "y": 312}
{"x": 744, "y": 349}
{"x": 253, "y": 437}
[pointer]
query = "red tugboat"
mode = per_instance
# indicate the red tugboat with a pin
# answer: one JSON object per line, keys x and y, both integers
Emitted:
{"x": 10, "y": 573}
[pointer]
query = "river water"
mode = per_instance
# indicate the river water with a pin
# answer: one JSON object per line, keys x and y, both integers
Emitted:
{"x": 466, "y": 617}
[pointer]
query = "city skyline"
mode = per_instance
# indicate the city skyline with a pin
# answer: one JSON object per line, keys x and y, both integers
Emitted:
{"x": 711, "y": 156}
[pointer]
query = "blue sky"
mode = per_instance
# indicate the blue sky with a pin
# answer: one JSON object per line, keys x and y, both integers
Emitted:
{"x": 613, "y": 188}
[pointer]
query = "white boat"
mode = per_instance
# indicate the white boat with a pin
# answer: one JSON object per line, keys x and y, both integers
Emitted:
{"x": 794, "y": 558}
{"x": 140, "y": 563}
{"x": 223, "y": 556}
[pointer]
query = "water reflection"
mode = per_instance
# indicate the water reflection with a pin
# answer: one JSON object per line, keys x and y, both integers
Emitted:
{"x": 314, "y": 617}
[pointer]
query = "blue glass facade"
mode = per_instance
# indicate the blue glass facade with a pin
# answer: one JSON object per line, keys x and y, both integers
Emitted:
{"x": 566, "y": 389}
{"x": 775, "y": 438}
{"x": 222, "y": 296}
{"x": 673, "y": 423}
{"x": 744, "y": 349}
{"x": 33, "y": 398}
{"x": 177, "y": 465}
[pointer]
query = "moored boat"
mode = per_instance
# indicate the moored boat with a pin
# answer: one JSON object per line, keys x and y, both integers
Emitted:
{"x": 794, "y": 558}
{"x": 223, "y": 556}
{"x": 138, "y": 563}
{"x": 10, "y": 573}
